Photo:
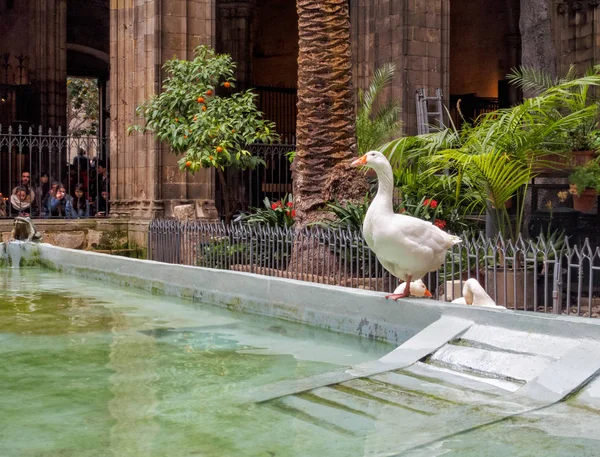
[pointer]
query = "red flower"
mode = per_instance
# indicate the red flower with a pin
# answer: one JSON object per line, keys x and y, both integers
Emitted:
{"x": 432, "y": 203}
{"x": 440, "y": 223}
{"x": 274, "y": 205}
{"x": 290, "y": 204}
{"x": 293, "y": 213}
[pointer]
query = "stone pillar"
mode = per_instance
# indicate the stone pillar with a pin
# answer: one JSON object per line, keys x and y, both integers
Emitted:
{"x": 538, "y": 45}
{"x": 145, "y": 179}
{"x": 576, "y": 34}
{"x": 47, "y": 63}
{"x": 414, "y": 35}
{"x": 235, "y": 36}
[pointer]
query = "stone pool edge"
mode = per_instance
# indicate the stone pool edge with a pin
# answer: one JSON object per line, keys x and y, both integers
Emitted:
{"x": 351, "y": 311}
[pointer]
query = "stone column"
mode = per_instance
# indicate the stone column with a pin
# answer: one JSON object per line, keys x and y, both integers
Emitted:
{"x": 538, "y": 45}
{"x": 235, "y": 36}
{"x": 47, "y": 63}
{"x": 414, "y": 35}
{"x": 145, "y": 179}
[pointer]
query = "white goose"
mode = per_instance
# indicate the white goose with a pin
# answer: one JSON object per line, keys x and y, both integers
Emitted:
{"x": 406, "y": 246}
{"x": 474, "y": 294}
{"x": 417, "y": 289}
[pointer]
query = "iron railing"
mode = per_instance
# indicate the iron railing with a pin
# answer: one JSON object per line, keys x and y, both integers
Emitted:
{"x": 279, "y": 105}
{"x": 53, "y": 153}
{"x": 526, "y": 275}
{"x": 273, "y": 180}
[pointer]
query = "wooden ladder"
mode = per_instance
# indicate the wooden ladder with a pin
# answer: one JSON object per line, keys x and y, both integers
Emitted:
{"x": 430, "y": 111}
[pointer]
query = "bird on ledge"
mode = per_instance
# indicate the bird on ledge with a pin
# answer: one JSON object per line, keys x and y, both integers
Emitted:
{"x": 406, "y": 246}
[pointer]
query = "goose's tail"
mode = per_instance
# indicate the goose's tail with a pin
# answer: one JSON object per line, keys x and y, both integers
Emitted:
{"x": 453, "y": 240}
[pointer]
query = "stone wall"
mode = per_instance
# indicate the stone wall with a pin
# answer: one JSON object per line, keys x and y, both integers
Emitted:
{"x": 414, "y": 35}
{"x": 144, "y": 34}
{"x": 83, "y": 233}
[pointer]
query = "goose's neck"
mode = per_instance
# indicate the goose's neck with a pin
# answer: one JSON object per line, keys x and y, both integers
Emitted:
{"x": 383, "y": 201}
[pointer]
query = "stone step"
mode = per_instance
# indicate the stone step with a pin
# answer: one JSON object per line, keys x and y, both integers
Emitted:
{"x": 489, "y": 386}
{"x": 500, "y": 364}
{"x": 433, "y": 389}
{"x": 519, "y": 342}
{"x": 333, "y": 418}
{"x": 392, "y": 395}
{"x": 363, "y": 405}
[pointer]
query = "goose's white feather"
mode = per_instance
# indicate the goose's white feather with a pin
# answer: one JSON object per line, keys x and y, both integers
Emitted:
{"x": 474, "y": 294}
{"x": 417, "y": 289}
{"x": 406, "y": 246}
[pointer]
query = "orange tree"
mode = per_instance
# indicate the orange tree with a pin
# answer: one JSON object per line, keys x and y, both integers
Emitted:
{"x": 207, "y": 129}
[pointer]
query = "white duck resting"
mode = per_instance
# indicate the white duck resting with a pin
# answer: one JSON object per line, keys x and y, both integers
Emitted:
{"x": 417, "y": 289}
{"x": 474, "y": 294}
{"x": 406, "y": 246}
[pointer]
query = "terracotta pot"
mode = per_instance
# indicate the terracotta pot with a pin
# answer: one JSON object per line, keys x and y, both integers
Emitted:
{"x": 586, "y": 201}
{"x": 580, "y": 158}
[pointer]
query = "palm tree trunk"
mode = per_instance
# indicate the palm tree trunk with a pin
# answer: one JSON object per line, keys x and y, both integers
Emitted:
{"x": 325, "y": 128}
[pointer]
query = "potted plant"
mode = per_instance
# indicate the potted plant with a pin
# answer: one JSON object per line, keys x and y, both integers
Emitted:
{"x": 584, "y": 185}
{"x": 574, "y": 143}
{"x": 495, "y": 160}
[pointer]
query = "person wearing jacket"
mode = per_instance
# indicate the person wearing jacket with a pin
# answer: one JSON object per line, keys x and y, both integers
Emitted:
{"x": 59, "y": 205}
{"x": 80, "y": 206}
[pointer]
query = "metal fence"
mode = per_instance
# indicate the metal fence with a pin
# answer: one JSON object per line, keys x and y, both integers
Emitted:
{"x": 272, "y": 180}
{"x": 53, "y": 154}
{"x": 279, "y": 105}
{"x": 526, "y": 275}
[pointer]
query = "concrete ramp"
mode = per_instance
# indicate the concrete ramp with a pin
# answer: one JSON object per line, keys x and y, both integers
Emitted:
{"x": 419, "y": 346}
{"x": 451, "y": 378}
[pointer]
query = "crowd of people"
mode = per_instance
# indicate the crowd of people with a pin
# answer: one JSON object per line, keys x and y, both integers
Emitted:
{"x": 86, "y": 193}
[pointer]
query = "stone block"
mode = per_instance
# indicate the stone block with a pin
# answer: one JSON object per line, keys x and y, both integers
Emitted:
{"x": 93, "y": 238}
{"x": 206, "y": 210}
{"x": 184, "y": 212}
{"x": 71, "y": 240}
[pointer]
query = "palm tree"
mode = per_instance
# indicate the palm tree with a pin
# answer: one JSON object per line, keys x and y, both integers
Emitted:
{"x": 325, "y": 129}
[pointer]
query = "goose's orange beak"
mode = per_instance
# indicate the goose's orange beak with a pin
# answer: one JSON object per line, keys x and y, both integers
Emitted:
{"x": 360, "y": 161}
{"x": 428, "y": 294}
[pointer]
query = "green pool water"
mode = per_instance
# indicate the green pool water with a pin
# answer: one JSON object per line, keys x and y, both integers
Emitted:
{"x": 91, "y": 369}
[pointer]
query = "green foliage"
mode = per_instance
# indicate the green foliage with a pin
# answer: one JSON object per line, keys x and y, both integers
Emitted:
{"x": 348, "y": 216}
{"x": 375, "y": 128}
{"x": 221, "y": 253}
{"x": 209, "y": 130}
{"x": 82, "y": 106}
{"x": 280, "y": 213}
{"x": 494, "y": 160}
{"x": 586, "y": 177}
{"x": 581, "y": 136}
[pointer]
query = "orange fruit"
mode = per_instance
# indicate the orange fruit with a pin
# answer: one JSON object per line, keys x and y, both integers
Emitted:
{"x": 210, "y": 157}
{"x": 195, "y": 118}
{"x": 176, "y": 120}
{"x": 204, "y": 108}
{"x": 185, "y": 136}
{"x": 233, "y": 131}
{"x": 200, "y": 100}
{"x": 219, "y": 149}
{"x": 188, "y": 164}
{"x": 209, "y": 92}
{"x": 227, "y": 84}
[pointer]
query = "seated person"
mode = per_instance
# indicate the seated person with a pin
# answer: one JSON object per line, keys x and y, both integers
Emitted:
{"x": 3, "y": 209}
{"x": 20, "y": 202}
{"x": 59, "y": 205}
{"x": 80, "y": 206}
